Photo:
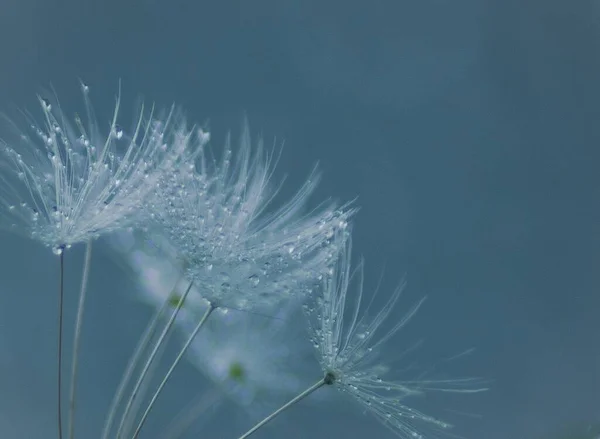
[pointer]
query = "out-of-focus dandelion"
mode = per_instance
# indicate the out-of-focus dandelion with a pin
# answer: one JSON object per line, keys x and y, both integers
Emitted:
{"x": 349, "y": 343}
{"x": 270, "y": 369}
{"x": 160, "y": 277}
{"x": 255, "y": 359}
{"x": 68, "y": 182}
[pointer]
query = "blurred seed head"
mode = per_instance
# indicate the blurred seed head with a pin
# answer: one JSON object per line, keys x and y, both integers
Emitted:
{"x": 258, "y": 360}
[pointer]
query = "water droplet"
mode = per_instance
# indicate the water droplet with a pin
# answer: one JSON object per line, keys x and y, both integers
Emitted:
{"x": 203, "y": 136}
{"x": 254, "y": 280}
{"x": 58, "y": 250}
{"x": 118, "y": 132}
{"x": 46, "y": 104}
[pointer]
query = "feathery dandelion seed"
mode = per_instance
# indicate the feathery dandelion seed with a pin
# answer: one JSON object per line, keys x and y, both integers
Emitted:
{"x": 239, "y": 250}
{"x": 350, "y": 345}
{"x": 67, "y": 181}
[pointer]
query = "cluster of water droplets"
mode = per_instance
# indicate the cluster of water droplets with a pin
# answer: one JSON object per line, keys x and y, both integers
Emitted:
{"x": 386, "y": 400}
{"x": 66, "y": 182}
{"x": 241, "y": 253}
{"x": 348, "y": 346}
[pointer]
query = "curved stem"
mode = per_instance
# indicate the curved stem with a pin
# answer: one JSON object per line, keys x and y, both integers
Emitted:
{"x": 149, "y": 362}
{"x": 183, "y": 350}
{"x": 133, "y": 362}
{"x": 188, "y": 416}
{"x": 301, "y": 396}
{"x": 60, "y": 325}
{"x": 78, "y": 324}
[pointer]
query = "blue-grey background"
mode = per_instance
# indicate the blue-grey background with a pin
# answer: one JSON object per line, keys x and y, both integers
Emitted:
{"x": 468, "y": 130}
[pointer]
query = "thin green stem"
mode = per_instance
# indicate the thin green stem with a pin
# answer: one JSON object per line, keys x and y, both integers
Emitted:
{"x": 60, "y": 325}
{"x": 76, "y": 341}
{"x": 149, "y": 362}
{"x": 187, "y": 344}
{"x": 298, "y": 398}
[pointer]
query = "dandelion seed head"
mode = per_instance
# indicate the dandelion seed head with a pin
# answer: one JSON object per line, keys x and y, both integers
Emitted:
{"x": 64, "y": 181}
{"x": 239, "y": 250}
{"x": 351, "y": 340}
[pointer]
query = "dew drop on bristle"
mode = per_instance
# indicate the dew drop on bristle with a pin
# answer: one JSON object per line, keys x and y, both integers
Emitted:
{"x": 58, "y": 250}
{"x": 118, "y": 132}
{"x": 254, "y": 280}
{"x": 46, "y": 105}
{"x": 203, "y": 136}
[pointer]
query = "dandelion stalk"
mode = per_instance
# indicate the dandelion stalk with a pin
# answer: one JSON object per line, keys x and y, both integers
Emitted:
{"x": 141, "y": 347}
{"x": 78, "y": 324}
{"x": 327, "y": 379}
{"x": 188, "y": 416}
{"x": 149, "y": 362}
{"x": 60, "y": 324}
{"x": 200, "y": 324}
{"x": 131, "y": 421}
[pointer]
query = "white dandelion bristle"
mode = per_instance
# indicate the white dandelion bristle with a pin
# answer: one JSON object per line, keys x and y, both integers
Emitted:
{"x": 67, "y": 182}
{"x": 352, "y": 345}
{"x": 238, "y": 251}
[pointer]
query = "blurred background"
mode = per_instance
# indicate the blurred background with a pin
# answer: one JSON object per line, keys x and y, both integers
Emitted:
{"x": 468, "y": 130}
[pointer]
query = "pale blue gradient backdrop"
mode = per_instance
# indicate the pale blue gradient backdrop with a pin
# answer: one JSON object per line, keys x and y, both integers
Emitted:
{"x": 468, "y": 129}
